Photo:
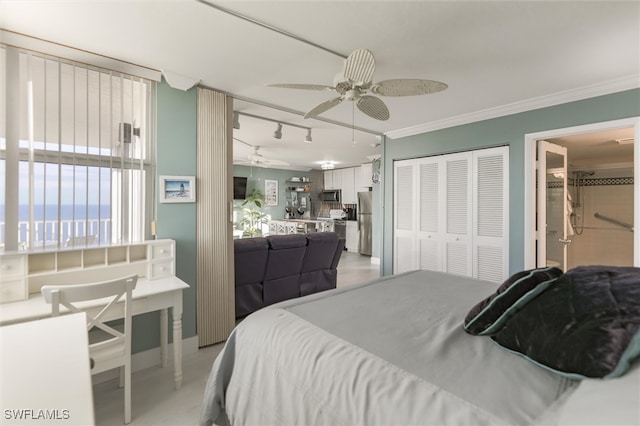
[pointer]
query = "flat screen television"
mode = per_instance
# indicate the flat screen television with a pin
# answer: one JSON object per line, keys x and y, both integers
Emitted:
{"x": 239, "y": 188}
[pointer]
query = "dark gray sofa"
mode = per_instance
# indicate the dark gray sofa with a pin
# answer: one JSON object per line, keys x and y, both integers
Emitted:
{"x": 280, "y": 267}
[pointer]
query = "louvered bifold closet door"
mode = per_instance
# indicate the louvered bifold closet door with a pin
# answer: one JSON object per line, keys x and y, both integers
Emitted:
{"x": 404, "y": 216}
{"x": 491, "y": 222}
{"x": 458, "y": 214}
{"x": 429, "y": 215}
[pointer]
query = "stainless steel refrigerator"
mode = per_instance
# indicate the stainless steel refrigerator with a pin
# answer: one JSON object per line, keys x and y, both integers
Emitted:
{"x": 364, "y": 222}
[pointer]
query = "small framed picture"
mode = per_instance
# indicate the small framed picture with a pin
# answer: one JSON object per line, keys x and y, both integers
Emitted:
{"x": 177, "y": 189}
{"x": 271, "y": 192}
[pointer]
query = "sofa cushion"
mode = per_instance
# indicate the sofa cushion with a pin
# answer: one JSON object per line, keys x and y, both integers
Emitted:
{"x": 250, "y": 264}
{"x": 279, "y": 242}
{"x": 282, "y": 277}
{"x": 250, "y": 260}
{"x": 321, "y": 248}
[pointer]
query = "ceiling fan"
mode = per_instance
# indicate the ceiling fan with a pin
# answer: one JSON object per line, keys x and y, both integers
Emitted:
{"x": 257, "y": 159}
{"x": 356, "y": 81}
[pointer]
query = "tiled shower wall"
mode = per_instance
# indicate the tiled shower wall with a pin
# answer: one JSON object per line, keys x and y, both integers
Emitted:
{"x": 601, "y": 242}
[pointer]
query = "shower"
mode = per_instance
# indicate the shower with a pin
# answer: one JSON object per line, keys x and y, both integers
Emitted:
{"x": 577, "y": 204}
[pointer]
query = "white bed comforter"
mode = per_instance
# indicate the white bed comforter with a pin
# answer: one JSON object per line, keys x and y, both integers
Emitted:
{"x": 389, "y": 352}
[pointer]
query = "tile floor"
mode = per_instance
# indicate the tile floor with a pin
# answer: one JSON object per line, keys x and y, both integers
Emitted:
{"x": 154, "y": 399}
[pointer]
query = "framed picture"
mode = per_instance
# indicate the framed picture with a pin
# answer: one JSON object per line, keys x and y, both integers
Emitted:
{"x": 177, "y": 189}
{"x": 270, "y": 192}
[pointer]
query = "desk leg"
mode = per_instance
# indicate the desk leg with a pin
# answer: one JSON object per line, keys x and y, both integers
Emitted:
{"x": 177, "y": 338}
{"x": 164, "y": 337}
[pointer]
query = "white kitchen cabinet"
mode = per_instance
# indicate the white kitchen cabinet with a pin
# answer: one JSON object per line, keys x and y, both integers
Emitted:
{"x": 348, "y": 180}
{"x": 352, "y": 237}
{"x": 365, "y": 182}
{"x": 348, "y": 186}
{"x": 328, "y": 179}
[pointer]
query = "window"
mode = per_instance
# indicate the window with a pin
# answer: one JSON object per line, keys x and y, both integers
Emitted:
{"x": 78, "y": 168}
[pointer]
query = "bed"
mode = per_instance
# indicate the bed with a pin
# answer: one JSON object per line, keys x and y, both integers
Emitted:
{"x": 396, "y": 351}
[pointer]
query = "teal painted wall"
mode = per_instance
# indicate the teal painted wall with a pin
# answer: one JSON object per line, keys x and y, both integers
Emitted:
{"x": 176, "y": 155}
{"x": 257, "y": 175}
{"x": 510, "y": 131}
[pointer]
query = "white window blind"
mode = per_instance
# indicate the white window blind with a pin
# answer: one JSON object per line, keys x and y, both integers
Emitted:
{"x": 85, "y": 149}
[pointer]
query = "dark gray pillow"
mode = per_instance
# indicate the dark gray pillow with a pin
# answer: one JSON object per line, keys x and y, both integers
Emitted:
{"x": 586, "y": 325}
{"x": 489, "y": 315}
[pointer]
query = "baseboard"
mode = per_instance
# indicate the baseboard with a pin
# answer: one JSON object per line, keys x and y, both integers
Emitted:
{"x": 149, "y": 358}
{"x": 375, "y": 260}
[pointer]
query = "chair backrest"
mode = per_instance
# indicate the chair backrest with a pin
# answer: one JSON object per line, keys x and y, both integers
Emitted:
{"x": 112, "y": 291}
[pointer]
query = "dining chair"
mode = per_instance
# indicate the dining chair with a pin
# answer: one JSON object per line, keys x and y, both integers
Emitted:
{"x": 113, "y": 347}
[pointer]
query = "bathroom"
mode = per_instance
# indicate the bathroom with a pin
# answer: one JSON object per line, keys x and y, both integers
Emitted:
{"x": 600, "y": 199}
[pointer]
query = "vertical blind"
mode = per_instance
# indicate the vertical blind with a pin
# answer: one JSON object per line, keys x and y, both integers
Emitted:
{"x": 85, "y": 151}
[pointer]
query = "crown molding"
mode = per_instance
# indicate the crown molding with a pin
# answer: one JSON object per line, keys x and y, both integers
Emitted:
{"x": 599, "y": 89}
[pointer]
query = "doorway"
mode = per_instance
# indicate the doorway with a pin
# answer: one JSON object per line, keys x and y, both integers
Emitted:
{"x": 589, "y": 214}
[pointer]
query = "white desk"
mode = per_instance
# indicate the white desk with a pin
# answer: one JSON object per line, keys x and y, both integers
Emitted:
{"x": 155, "y": 295}
{"x": 46, "y": 376}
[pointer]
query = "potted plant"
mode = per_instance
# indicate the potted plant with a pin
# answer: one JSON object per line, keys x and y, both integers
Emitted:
{"x": 253, "y": 217}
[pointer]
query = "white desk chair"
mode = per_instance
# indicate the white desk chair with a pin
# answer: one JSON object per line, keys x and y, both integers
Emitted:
{"x": 114, "y": 350}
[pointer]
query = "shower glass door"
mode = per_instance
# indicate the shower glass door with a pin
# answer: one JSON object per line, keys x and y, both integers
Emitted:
{"x": 552, "y": 206}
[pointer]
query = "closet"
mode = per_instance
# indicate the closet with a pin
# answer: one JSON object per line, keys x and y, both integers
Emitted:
{"x": 451, "y": 214}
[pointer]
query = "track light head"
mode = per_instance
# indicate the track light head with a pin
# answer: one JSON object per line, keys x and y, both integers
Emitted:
{"x": 307, "y": 138}
{"x": 278, "y": 133}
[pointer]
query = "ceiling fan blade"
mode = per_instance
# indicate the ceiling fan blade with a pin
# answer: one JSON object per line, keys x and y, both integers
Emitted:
{"x": 407, "y": 87}
{"x": 359, "y": 67}
{"x": 325, "y": 106}
{"x": 373, "y": 107}
{"x": 302, "y": 86}
{"x": 275, "y": 162}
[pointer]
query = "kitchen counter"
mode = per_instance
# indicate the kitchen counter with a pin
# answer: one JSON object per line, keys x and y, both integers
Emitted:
{"x": 293, "y": 226}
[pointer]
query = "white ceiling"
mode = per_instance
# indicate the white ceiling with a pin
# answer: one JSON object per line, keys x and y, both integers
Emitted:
{"x": 496, "y": 56}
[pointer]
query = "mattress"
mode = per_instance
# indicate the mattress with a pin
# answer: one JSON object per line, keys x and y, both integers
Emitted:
{"x": 390, "y": 351}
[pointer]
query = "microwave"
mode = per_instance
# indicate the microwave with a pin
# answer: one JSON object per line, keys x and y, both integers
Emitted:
{"x": 332, "y": 196}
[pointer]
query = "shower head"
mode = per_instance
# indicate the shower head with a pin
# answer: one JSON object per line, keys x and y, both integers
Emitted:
{"x": 583, "y": 173}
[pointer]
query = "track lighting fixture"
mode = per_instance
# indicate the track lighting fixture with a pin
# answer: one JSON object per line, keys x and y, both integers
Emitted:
{"x": 278, "y": 133}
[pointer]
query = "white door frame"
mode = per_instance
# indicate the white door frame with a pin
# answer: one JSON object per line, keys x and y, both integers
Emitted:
{"x": 530, "y": 142}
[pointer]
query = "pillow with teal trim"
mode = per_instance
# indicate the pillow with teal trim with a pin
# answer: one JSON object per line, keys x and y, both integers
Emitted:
{"x": 587, "y": 325}
{"x": 489, "y": 315}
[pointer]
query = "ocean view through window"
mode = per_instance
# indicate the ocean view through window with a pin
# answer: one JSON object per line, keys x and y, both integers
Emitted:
{"x": 77, "y": 168}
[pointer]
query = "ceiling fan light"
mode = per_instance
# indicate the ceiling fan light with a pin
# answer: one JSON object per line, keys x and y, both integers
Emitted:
{"x": 307, "y": 138}
{"x": 327, "y": 165}
{"x": 278, "y": 133}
